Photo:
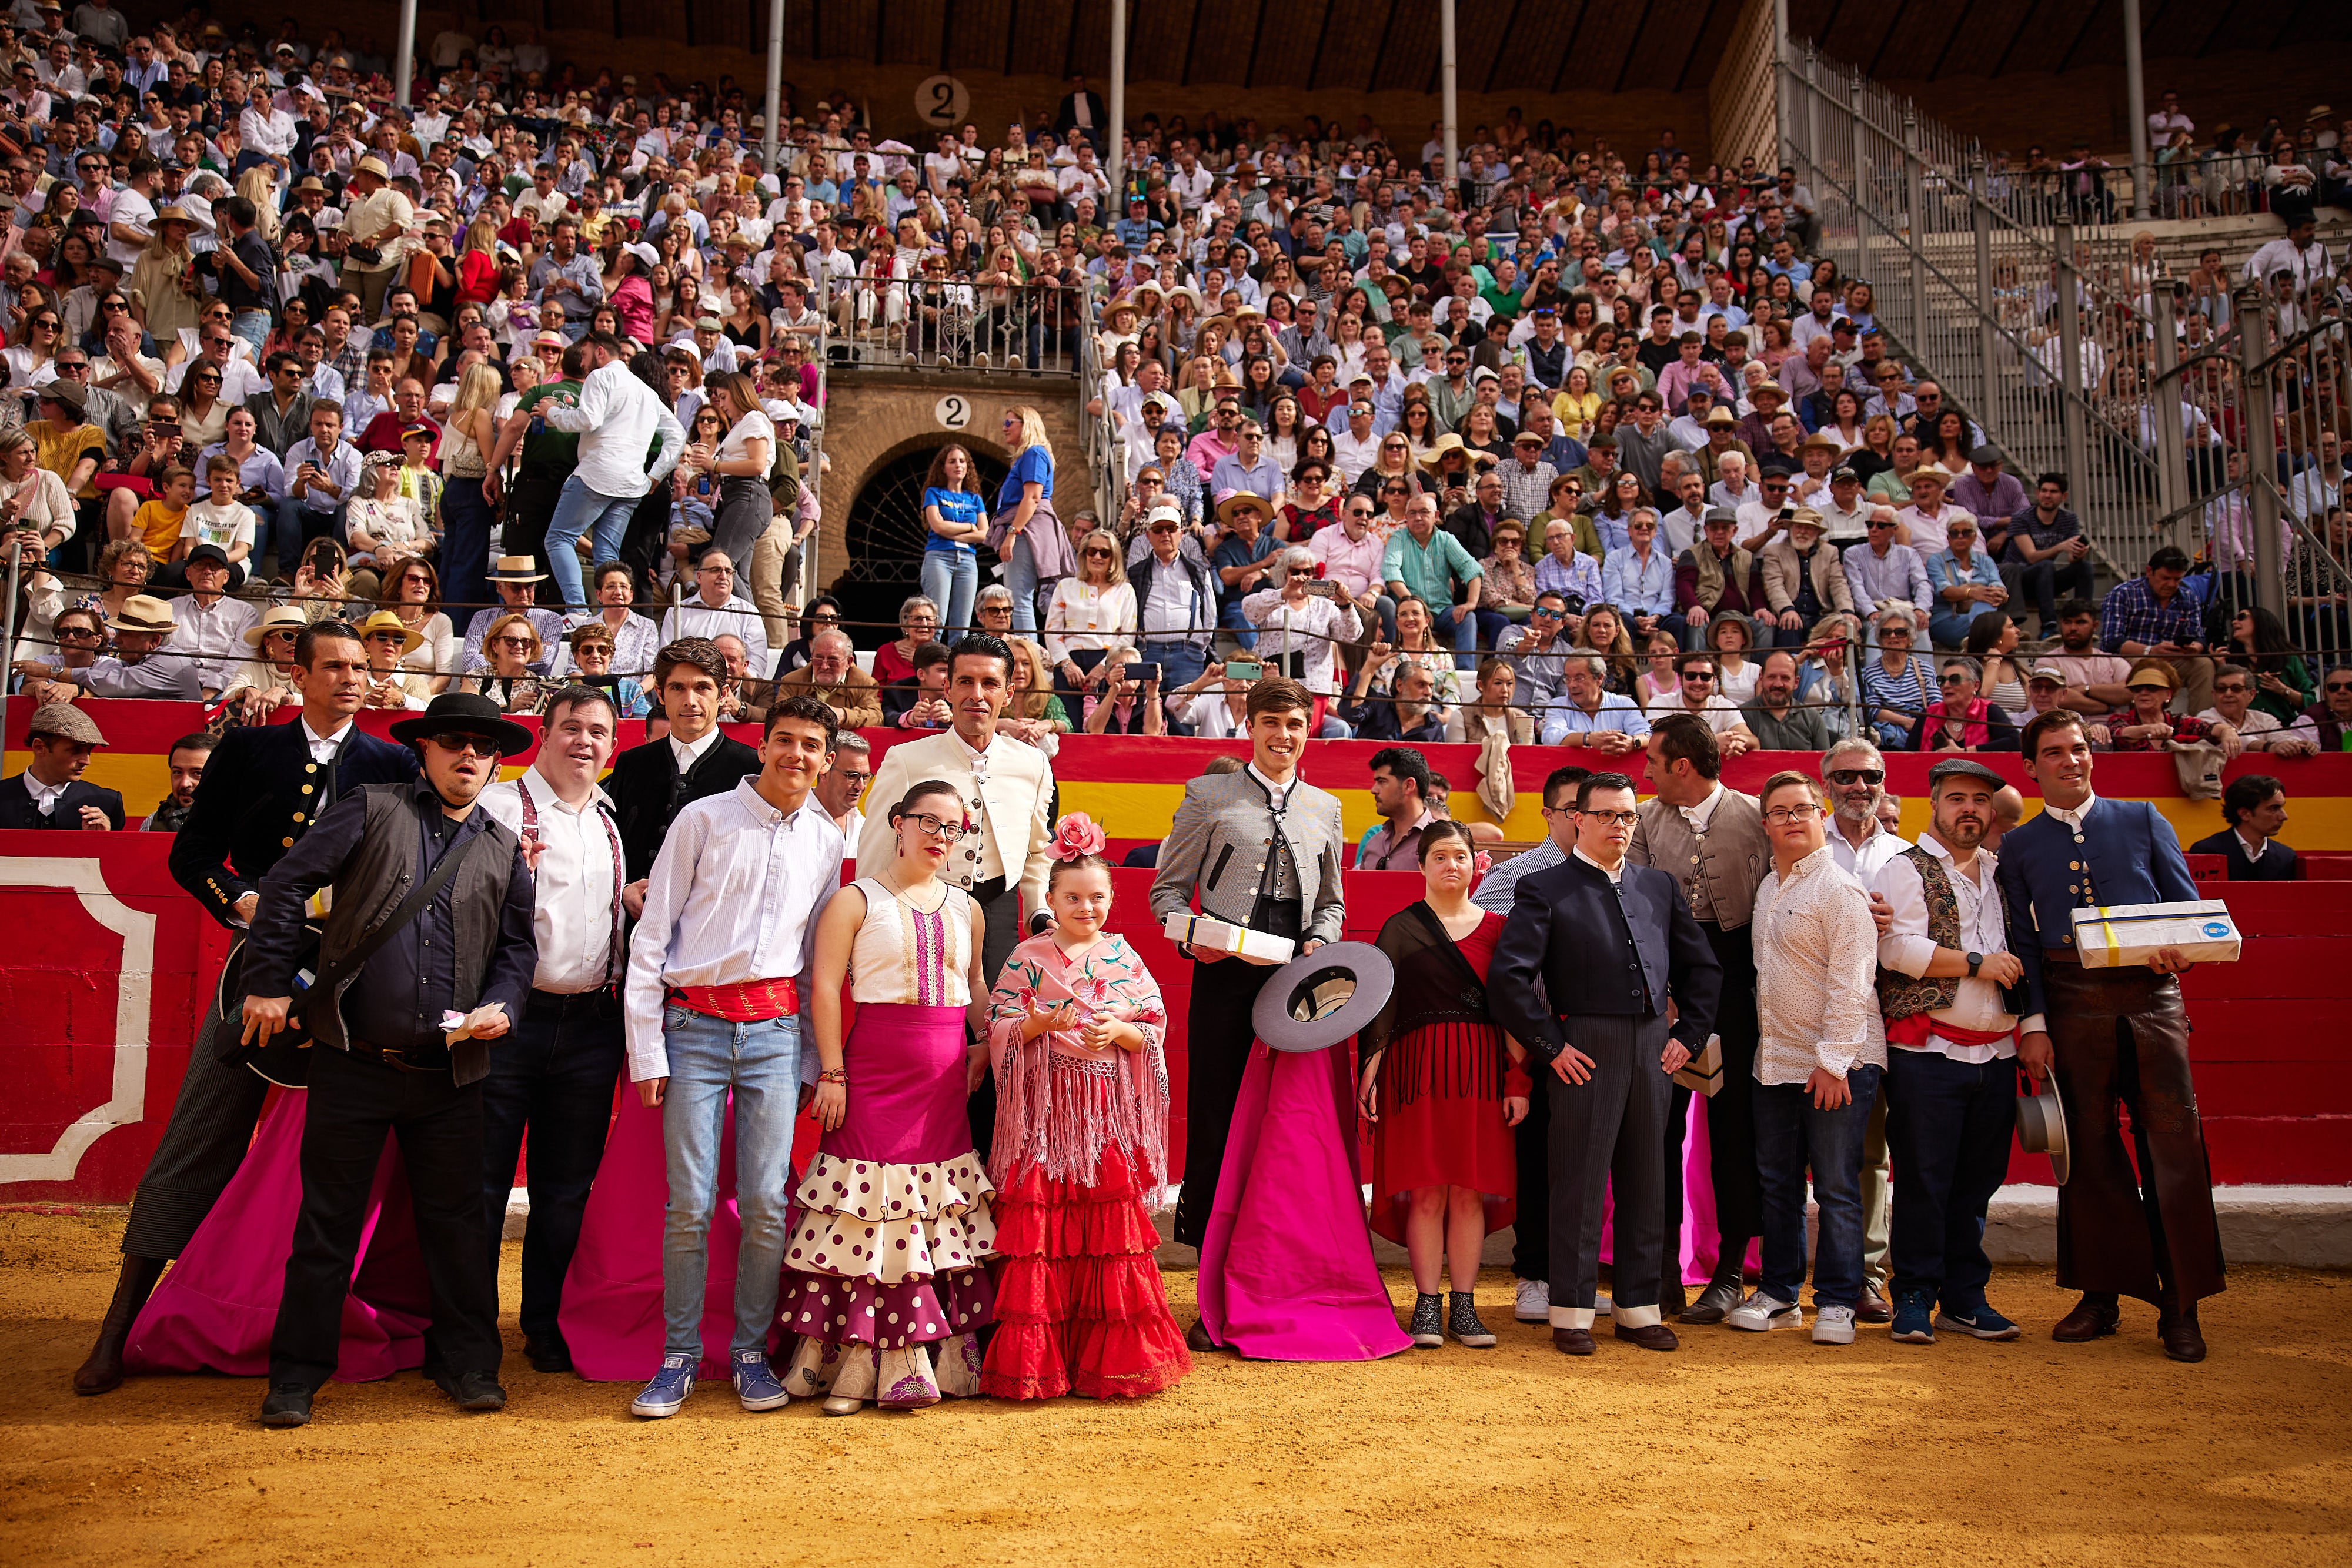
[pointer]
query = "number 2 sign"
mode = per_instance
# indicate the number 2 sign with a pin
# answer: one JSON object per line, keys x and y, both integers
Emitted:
{"x": 942, "y": 101}
{"x": 953, "y": 412}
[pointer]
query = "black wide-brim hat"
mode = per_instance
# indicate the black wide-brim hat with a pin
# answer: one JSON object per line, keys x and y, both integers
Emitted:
{"x": 1320, "y": 999}
{"x": 467, "y": 713}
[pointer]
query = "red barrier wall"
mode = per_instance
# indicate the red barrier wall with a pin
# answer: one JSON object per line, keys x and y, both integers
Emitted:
{"x": 103, "y": 987}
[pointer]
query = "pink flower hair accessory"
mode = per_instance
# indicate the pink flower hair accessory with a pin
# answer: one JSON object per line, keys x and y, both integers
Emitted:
{"x": 1076, "y": 835}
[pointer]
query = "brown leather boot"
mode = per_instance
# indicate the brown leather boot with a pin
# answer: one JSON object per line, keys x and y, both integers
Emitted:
{"x": 2093, "y": 1317}
{"x": 103, "y": 1373}
{"x": 2176, "y": 1329}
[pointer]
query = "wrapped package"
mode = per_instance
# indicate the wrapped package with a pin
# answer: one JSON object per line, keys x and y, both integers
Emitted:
{"x": 1224, "y": 936}
{"x": 2114, "y": 936}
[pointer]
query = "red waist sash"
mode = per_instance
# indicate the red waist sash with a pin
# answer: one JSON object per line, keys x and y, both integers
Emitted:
{"x": 747, "y": 1002}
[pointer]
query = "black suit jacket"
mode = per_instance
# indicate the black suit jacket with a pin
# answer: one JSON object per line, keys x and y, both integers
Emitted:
{"x": 1065, "y": 119}
{"x": 2279, "y": 862}
{"x": 259, "y": 793}
{"x": 648, "y": 792}
{"x": 1594, "y": 951}
{"x": 17, "y": 810}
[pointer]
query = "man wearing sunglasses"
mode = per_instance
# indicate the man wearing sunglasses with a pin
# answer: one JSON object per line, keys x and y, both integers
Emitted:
{"x": 385, "y": 1059}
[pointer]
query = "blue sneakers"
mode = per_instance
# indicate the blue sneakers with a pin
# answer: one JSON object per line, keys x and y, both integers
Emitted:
{"x": 1912, "y": 1323}
{"x": 1976, "y": 1320}
{"x": 669, "y": 1389}
{"x": 755, "y": 1382}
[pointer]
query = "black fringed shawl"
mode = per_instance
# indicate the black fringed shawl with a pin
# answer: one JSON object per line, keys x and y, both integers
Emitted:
{"x": 1437, "y": 1034}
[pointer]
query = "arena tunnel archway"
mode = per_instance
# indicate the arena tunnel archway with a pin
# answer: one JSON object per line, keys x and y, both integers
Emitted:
{"x": 882, "y": 534}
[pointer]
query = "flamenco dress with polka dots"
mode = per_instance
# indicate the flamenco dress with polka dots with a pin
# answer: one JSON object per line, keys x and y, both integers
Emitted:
{"x": 1080, "y": 1149}
{"x": 892, "y": 1223}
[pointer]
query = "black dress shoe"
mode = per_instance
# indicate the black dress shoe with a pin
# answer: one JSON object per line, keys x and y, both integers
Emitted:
{"x": 1196, "y": 1338}
{"x": 1714, "y": 1303}
{"x": 1650, "y": 1337}
{"x": 1573, "y": 1342}
{"x": 2183, "y": 1340}
{"x": 471, "y": 1390}
{"x": 549, "y": 1354}
{"x": 285, "y": 1405}
{"x": 2093, "y": 1317}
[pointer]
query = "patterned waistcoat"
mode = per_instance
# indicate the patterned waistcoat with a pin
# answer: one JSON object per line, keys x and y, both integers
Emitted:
{"x": 1899, "y": 995}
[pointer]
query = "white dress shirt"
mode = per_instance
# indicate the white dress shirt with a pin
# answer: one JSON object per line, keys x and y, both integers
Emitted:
{"x": 580, "y": 858}
{"x": 323, "y": 747}
{"x": 1864, "y": 864}
{"x": 733, "y": 897}
{"x": 687, "y": 753}
{"x": 212, "y": 637}
{"x": 1816, "y": 973}
{"x": 616, "y": 420}
{"x": 1907, "y": 949}
{"x": 738, "y": 618}
{"x": 45, "y": 796}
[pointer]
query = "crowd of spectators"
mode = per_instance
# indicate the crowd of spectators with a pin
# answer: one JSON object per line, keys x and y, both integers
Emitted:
{"x": 1580, "y": 436}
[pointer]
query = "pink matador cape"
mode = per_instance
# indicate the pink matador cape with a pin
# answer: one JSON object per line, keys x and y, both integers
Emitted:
{"x": 1286, "y": 1269}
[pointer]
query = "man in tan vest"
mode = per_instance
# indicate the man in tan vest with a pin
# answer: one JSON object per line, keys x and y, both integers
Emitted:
{"x": 1710, "y": 840}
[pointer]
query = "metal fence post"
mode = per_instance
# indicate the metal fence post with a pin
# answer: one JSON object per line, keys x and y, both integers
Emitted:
{"x": 1865, "y": 195}
{"x": 1988, "y": 340}
{"x": 2165, "y": 398}
{"x": 1914, "y": 201}
{"x": 2261, "y": 449}
{"x": 2069, "y": 289}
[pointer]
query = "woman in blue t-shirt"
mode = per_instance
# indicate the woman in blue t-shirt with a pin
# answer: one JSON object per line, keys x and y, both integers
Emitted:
{"x": 1034, "y": 547}
{"x": 955, "y": 515}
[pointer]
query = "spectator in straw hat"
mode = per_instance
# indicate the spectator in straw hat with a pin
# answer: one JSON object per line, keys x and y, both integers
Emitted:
{"x": 375, "y": 230}
{"x": 49, "y": 793}
{"x": 137, "y": 667}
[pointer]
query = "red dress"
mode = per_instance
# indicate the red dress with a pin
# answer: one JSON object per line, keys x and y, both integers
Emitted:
{"x": 1441, "y": 1103}
{"x": 1080, "y": 1154}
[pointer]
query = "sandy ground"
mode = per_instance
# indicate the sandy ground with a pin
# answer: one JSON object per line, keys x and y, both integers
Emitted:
{"x": 1739, "y": 1449}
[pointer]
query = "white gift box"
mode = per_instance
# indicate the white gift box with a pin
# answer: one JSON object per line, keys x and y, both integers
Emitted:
{"x": 2114, "y": 936}
{"x": 1222, "y": 937}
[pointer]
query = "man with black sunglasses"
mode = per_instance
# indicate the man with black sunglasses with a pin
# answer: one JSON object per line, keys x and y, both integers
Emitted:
{"x": 386, "y": 1059}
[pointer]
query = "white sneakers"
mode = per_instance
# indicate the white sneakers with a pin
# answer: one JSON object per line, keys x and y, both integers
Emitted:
{"x": 1833, "y": 1326}
{"x": 1759, "y": 1313}
{"x": 1534, "y": 1303}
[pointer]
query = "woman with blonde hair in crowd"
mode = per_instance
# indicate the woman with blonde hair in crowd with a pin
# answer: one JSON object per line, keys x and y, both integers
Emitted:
{"x": 1027, "y": 535}
{"x": 1093, "y": 612}
{"x": 163, "y": 277}
{"x": 511, "y": 646}
{"x": 1033, "y": 715}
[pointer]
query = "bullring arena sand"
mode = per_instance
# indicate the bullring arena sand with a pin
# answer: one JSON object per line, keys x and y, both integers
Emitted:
{"x": 1737, "y": 1449}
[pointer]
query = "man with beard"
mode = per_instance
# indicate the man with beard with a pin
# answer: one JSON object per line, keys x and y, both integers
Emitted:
{"x": 1945, "y": 980}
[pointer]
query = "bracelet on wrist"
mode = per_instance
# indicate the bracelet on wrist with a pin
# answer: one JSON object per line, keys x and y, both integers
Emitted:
{"x": 834, "y": 1075}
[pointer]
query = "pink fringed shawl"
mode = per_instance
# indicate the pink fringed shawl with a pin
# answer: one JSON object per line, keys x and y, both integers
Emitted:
{"x": 1059, "y": 1106}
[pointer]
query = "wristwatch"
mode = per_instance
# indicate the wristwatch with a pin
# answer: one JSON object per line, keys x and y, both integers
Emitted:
{"x": 1974, "y": 960}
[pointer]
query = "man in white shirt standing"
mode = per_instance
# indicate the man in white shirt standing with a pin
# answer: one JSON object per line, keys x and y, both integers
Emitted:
{"x": 1944, "y": 972}
{"x": 1855, "y": 775}
{"x": 553, "y": 1077}
{"x": 1819, "y": 1054}
{"x": 713, "y": 1003}
{"x": 617, "y": 419}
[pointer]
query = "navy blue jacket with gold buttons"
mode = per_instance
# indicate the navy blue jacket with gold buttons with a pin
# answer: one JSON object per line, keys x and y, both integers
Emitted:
{"x": 258, "y": 793}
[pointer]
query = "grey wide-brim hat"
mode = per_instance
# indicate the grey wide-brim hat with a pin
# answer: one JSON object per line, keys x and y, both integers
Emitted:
{"x": 1321, "y": 997}
{"x": 2041, "y": 1125}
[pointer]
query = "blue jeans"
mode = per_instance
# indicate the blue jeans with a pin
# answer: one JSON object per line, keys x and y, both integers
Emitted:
{"x": 1178, "y": 662}
{"x": 1949, "y": 627}
{"x": 1947, "y": 1126}
{"x": 1464, "y": 635}
{"x": 252, "y": 327}
{"x": 761, "y": 1063}
{"x": 1790, "y": 1136}
{"x": 296, "y": 525}
{"x": 1021, "y": 581}
{"x": 951, "y": 579}
{"x": 580, "y": 510}
{"x": 1231, "y": 618}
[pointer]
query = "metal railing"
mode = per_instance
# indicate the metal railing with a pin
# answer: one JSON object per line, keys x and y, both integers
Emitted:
{"x": 1038, "y": 329}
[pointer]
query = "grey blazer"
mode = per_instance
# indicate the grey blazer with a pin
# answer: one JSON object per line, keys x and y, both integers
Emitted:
{"x": 1733, "y": 857}
{"x": 1218, "y": 845}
